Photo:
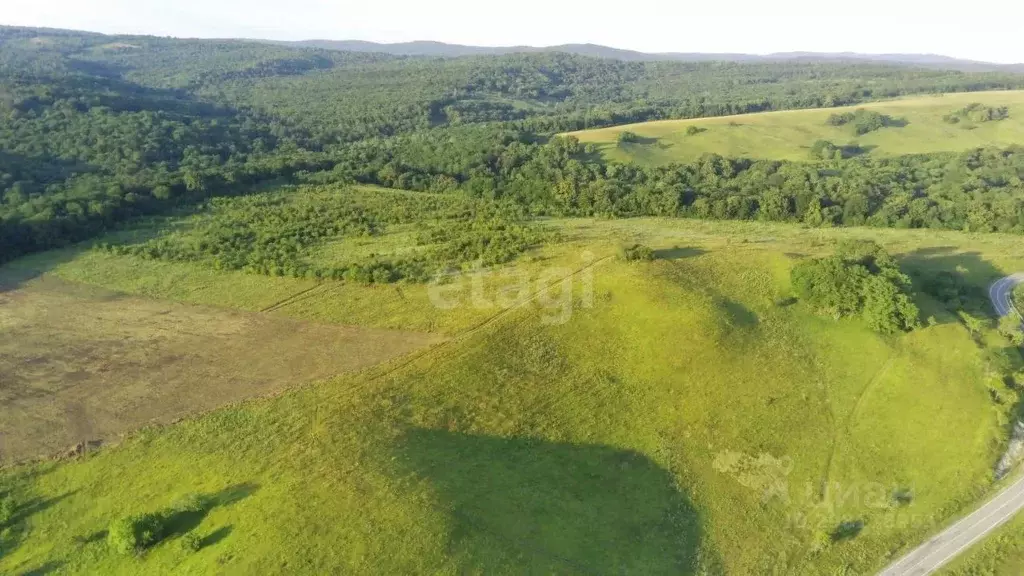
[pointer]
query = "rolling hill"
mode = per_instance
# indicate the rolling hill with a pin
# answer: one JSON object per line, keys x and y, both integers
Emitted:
{"x": 690, "y": 419}
{"x": 789, "y": 135}
{"x": 285, "y": 309}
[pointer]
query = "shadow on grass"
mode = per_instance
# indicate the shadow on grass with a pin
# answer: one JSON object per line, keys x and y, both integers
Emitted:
{"x": 531, "y": 506}
{"x": 677, "y": 253}
{"x": 48, "y": 568}
{"x": 643, "y": 141}
{"x": 15, "y": 274}
{"x": 947, "y": 281}
{"x": 847, "y": 531}
{"x": 32, "y": 507}
{"x": 16, "y": 512}
{"x": 740, "y": 315}
{"x": 854, "y": 150}
{"x": 182, "y": 521}
{"x": 215, "y": 536}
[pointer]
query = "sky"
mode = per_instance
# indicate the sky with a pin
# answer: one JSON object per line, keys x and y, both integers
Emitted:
{"x": 986, "y": 30}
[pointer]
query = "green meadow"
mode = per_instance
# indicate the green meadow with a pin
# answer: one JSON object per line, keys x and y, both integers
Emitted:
{"x": 682, "y": 416}
{"x": 789, "y": 135}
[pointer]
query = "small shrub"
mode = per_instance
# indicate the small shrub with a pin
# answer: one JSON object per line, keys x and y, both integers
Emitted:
{"x": 1010, "y": 327}
{"x": 694, "y": 130}
{"x": 133, "y": 534}
{"x": 191, "y": 503}
{"x": 7, "y": 508}
{"x": 821, "y": 540}
{"x": 191, "y": 542}
{"x": 627, "y": 137}
{"x": 974, "y": 324}
{"x": 637, "y": 253}
{"x": 902, "y": 497}
{"x": 825, "y": 150}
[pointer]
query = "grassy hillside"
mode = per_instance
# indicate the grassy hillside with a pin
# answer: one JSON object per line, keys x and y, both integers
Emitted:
{"x": 789, "y": 135}
{"x": 692, "y": 419}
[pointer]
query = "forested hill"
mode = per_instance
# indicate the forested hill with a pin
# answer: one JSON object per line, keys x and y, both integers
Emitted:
{"x": 96, "y": 129}
{"x": 445, "y": 50}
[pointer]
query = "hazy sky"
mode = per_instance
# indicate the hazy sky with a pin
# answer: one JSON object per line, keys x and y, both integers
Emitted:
{"x": 984, "y": 30}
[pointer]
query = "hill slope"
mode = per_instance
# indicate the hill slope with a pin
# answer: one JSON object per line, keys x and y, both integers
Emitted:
{"x": 688, "y": 420}
{"x": 790, "y": 135}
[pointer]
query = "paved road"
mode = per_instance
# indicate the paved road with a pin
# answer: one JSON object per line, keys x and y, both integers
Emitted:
{"x": 1001, "y": 293}
{"x": 956, "y": 539}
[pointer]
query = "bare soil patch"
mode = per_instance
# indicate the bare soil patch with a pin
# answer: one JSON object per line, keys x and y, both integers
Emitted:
{"x": 80, "y": 364}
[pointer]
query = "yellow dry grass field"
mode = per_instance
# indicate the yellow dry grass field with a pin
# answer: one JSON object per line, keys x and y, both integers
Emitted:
{"x": 81, "y": 364}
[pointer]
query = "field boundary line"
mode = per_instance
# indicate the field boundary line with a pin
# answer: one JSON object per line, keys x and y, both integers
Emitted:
{"x": 483, "y": 323}
{"x": 290, "y": 299}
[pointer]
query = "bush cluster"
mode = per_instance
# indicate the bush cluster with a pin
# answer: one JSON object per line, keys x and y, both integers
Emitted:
{"x": 135, "y": 533}
{"x": 977, "y": 113}
{"x": 637, "y": 252}
{"x": 859, "y": 279}
{"x": 864, "y": 121}
{"x": 627, "y": 137}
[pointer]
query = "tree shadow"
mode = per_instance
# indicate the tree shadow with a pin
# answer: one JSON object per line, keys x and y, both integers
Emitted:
{"x": 678, "y": 253}
{"x": 25, "y": 268}
{"x": 947, "y": 281}
{"x": 187, "y": 515}
{"x": 29, "y": 508}
{"x": 645, "y": 140}
{"x": 847, "y": 530}
{"x": 740, "y": 315}
{"x": 14, "y": 528}
{"x": 94, "y": 537}
{"x": 532, "y": 506}
{"x": 48, "y": 568}
{"x": 183, "y": 520}
{"x": 854, "y": 150}
{"x": 216, "y": 536}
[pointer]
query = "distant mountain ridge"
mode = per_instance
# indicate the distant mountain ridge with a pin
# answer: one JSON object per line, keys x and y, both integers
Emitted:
{"x": 443, "y": 50}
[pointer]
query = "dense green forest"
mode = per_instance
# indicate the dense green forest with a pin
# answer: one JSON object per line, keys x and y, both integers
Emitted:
{"x": 96, "y": 130}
